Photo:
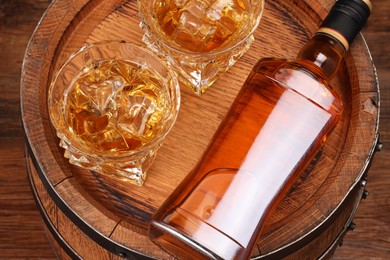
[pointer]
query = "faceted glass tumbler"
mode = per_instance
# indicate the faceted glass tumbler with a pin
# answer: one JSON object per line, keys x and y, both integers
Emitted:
{"x": 112, "y": 105}
{"x": 201, "y": 39}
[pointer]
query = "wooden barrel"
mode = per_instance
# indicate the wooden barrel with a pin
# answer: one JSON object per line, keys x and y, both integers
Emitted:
{"x": 93, "y": 216}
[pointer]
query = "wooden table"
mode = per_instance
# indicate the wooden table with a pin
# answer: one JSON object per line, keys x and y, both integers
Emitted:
{"x": 21, "y": 228}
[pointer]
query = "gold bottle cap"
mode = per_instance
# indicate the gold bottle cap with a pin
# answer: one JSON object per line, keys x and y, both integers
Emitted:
{"x": 336, "y": 35}
{"x": 368, "y": 3}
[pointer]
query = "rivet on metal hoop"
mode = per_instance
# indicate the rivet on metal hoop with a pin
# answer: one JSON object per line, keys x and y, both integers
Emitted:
{"x": 378, "y": 146}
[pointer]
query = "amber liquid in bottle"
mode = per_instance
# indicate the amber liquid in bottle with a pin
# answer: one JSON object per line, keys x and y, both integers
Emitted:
{"x": 278, "y": 122}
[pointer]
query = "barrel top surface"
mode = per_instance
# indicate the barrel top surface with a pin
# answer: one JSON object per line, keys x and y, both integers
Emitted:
{"x": 286, "y": 25}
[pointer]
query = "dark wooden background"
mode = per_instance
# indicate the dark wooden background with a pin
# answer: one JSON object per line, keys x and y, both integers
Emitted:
{"x": 21, "y": 228}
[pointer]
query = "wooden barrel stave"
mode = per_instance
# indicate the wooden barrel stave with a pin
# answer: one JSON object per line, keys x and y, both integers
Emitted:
{"x": 327, "y": 235}
{"x": 67, "y": 25}
{"x": 75, "y": 237}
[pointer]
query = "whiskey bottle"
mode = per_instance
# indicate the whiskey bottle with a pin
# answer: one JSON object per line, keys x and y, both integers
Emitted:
{"x": 277, "y": 123}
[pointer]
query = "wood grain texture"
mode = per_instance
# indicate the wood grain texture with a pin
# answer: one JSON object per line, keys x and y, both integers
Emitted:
{"x": 21, "y": 233}
{"x": 118, "y": 21}
{"x": 18, "y": 207}
{"x": 370, "y": 238}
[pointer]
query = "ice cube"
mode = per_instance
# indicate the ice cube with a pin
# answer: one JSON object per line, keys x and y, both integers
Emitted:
{"x": 228, "y": 16}
{"x": 134, "y": 114}
{"x": 196, "y": 8}
{"x": 214, "y": 13}
{"x": 102, "y": 93}
{"x": 88, "y": 122}
{"x": 123, "y": 69}
{"x": 180, "y": 3}
{"x": 235, "y": 13}
{"x": 189, "y": 23}
{"x": 193, "y": 32}
{"x": 111, "y": 139}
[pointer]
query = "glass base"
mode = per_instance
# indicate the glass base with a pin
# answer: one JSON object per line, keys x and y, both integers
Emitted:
{"x": 128, "y": 169}
{"x": 197, "y": 70}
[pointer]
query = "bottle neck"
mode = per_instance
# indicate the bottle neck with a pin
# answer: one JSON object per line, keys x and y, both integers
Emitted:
{"x": 323, "y": 53}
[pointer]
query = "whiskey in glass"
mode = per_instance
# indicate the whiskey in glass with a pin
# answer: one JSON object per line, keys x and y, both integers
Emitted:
{"x": 202, "y": 39}
{"x": 112, "y": 105}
